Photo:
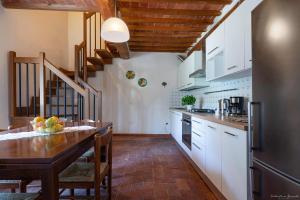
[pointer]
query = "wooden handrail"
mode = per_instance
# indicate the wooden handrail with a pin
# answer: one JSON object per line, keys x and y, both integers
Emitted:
{"x": 89, "y": 87}
{"x": 83, "y": 89}
{"x": 33, "y": 60}
{"x": 64, "y": 77}
{"x": 72, "y": 84}
{"x": 98, "y": 95}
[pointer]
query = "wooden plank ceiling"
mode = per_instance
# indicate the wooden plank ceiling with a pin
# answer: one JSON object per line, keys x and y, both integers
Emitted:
{"x": 68, "y": 5}
{"x": 167, "y": 25}
{"x": 155, "y": 25}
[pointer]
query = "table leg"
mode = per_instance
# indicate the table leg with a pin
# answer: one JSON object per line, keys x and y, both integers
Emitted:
{"x": 50, "y": 186}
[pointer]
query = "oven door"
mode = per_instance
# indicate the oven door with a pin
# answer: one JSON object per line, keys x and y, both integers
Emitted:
{"x": 187, "y": 132}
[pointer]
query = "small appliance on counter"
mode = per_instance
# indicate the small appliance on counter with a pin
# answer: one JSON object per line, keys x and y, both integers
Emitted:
{"x": 236, "y": 106}
{"x": 224, "y": 105}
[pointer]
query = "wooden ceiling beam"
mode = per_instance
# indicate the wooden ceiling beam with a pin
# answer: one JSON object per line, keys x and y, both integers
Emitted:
{"x": 163, "y": 39}
{"x": 166, "y": 28}
{"x": 160, "y": 11}
{"x": 129, "y": 19}
{"x": 222, "y": 2}
{"x": 170, "y": 34}
{"x": 158, "y": 44}
{"x": 50, "y": 5}
{"x": 152, "y": 49}
{"x": 180, "y": 25}
{"x": 163, "y": 51}
{"x": 159, "y": 47}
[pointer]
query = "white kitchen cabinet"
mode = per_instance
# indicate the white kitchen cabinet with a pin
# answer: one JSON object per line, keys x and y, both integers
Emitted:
{"x": 187, "y": 67}
{"x": 213, "y": 157}
{"x": 198, "y": 143}
{"x": 235, "y": 56}
{"x": 215, "y": 42}
{"x": 248, "y": 7}
{"x": 176, "y": 126}
{"x": 234, "y": 163}
{"x": 234, "y": 42}
{"x": 198, "y": 155}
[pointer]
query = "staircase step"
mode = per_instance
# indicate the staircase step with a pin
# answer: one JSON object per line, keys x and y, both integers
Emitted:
{"x": 69, "y": 73}
{"x": 95, "y": 61}
{"x": 105, "y": 55}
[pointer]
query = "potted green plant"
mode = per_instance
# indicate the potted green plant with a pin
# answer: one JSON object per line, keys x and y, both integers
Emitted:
{"x": 188, "y": 101}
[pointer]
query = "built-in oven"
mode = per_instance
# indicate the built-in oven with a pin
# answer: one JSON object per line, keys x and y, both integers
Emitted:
{"x": 186, "y": 130}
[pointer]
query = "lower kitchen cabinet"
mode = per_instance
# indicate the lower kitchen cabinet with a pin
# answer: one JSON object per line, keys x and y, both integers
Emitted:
{"x": 213, "y": 154}
{"x": 198, "y": 144}
{"x": 198, "y": 155}
{"x": 176, "y": 125}
{"x": 234, "y": 163}
{"x": 220, "y": 152}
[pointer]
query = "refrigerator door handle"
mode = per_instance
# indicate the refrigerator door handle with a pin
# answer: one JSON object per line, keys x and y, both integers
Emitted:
{"x": 257, "y": 191}
{"x": 253, "y": 147}
{"x": 250, "y": 149}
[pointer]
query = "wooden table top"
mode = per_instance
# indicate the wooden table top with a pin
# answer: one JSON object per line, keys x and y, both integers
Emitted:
{"x": 45, "y": 148}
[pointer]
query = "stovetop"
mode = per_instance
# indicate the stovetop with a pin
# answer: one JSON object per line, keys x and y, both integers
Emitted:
{"x": 198, "y": 110}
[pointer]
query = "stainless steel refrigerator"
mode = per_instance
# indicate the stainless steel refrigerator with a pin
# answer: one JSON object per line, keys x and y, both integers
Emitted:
{"x": 274, "y": 114}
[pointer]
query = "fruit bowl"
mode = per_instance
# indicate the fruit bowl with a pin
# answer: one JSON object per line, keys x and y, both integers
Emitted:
{"x": 50, "y": 125}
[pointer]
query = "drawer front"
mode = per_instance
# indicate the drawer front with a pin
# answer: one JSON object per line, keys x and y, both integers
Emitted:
{"x": 197, "y": 123}
{"x": 198, "y": 155}
{"x": 198, "y": 136}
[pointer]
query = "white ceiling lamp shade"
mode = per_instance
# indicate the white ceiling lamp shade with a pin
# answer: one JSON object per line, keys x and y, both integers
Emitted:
{"x": 115, "y": 30}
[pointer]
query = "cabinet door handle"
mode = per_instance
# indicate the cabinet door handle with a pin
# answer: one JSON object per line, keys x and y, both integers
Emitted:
{"x": 232, "y": 67}
{"x": 230, "y": 134}
{"x": 190, "y": 84}
{"x": 196, "y": 122}
{"x": 212, "y": 50}
{"x": 197, "y": 146}
{"x": 197, "y": 134}
{"x": 211, "y": 127}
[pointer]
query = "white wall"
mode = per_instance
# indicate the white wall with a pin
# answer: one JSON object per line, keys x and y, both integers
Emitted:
{"x": 75, "y": 35}
{"x": 133, "y": 109}
{"x": 28, "y": 32}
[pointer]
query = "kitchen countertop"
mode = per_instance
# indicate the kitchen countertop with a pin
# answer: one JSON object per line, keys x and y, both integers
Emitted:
{"x": 223, "y": 120}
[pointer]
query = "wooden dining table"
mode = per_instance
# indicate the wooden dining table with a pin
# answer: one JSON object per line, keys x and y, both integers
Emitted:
{"x": 44, "y": 157}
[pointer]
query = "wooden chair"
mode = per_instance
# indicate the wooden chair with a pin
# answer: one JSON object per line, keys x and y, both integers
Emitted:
{"x": 88, "y": 175}
{"x": 14, "y": 184}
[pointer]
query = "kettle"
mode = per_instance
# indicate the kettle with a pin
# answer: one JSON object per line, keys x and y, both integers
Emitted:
{"x": 223, "y": 106}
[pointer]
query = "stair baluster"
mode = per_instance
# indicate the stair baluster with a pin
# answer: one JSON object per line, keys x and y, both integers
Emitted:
{"x": 34, "y": 90}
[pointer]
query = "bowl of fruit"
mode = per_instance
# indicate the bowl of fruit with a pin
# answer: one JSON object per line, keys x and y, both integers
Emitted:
{"x": 50, "y": 125}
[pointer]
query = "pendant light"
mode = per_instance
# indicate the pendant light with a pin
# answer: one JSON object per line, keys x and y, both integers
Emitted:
{"x": 115, "y": 29}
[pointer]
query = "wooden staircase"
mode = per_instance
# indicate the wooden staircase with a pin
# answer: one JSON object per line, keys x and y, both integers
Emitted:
{"x": 92, "y": 54}
{"x": 57, "y": 91}
{"x": 53, "y": 92}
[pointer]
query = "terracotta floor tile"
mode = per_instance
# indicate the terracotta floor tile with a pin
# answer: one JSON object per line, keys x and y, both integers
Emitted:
{"x": 146, "y": 168}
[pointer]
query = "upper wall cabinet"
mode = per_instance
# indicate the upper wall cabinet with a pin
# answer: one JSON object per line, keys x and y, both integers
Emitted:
{"x": 247, "y": 8}
{"x": 215, "y": 44}
{"x": 187, "y": 67}
{"x": 234, "y": 42}
{"x": 236, "y": 55}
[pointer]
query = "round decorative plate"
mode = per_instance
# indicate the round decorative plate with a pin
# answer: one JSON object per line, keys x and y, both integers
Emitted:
{"x": 142, "y": 82}
{"x": 130, "y": 75}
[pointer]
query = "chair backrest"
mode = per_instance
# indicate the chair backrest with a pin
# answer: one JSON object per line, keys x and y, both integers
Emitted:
{"x": 103, "y": 147}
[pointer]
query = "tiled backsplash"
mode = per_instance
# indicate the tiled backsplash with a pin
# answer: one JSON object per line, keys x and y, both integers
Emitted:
{"x": 243, "y": 88}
